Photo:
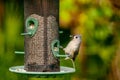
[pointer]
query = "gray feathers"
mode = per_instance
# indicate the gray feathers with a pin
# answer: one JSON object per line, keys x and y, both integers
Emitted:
{"x": 73, "y": 46}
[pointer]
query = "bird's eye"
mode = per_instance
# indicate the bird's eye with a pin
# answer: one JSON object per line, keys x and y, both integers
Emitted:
{"x": 76, "y": 37}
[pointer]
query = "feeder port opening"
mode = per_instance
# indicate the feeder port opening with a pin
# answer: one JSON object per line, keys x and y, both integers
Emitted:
{"x": 31, "y": 24}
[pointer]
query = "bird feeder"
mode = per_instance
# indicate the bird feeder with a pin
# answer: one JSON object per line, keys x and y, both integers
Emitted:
{"x": 41, "y": 55}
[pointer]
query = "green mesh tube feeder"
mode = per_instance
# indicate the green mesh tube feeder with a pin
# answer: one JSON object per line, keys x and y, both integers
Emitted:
{"x": 55, "y": 45}
{"x": 42, "y": 41}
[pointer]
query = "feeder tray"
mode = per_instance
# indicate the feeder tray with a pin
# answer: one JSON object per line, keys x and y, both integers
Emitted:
{"x": 63, "y": 70}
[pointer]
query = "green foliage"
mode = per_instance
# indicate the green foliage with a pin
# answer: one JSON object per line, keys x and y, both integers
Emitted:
{"x": 9, "y": 38}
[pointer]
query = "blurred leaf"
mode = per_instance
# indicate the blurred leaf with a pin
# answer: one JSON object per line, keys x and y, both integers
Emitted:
{"x": 65, "y": 18}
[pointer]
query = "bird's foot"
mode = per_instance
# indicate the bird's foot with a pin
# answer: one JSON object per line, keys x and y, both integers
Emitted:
{"x": 67, "y": 58}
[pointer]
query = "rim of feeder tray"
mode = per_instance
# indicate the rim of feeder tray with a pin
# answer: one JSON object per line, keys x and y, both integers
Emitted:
{"x": 20, "y": 70}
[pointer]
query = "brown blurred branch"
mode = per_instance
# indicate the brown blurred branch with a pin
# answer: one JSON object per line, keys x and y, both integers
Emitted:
{"x": 114, "y": 73}
{"x": 116, "y": 6}
{"x": 1, "y": 12}
{"x": 116, "y": 3}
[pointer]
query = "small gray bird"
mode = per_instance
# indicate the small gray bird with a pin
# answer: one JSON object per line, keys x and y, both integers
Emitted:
{"x": 72, "y": 48}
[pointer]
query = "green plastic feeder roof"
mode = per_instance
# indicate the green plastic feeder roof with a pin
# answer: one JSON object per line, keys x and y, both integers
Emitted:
{"x": 63, "y": 70}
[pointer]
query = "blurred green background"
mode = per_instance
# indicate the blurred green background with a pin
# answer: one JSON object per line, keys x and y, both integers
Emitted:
{"x": 97, "y": 21}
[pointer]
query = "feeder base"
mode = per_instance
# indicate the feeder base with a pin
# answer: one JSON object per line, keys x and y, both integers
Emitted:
{"x": 63, "y": 70}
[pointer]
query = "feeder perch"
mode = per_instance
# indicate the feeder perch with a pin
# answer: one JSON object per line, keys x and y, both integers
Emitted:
{"x": 41, "y": 55}
{"x": 31, "y": 26}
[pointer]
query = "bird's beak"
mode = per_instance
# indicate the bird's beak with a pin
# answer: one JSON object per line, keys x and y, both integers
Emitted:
{"x": 71, "y": 36}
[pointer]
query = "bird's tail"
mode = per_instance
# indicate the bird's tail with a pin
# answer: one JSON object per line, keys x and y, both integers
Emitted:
{"x": 73, "y": 63}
